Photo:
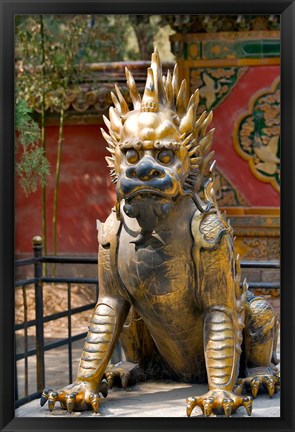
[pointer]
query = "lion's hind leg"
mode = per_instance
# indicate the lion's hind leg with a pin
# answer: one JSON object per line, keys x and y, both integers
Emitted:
{"x": 260, "y": 340}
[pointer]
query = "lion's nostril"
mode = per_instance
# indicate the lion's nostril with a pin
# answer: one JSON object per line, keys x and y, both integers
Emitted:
{"x": 145, "y": 171}
{"x": 131, "y": 172}
{"x": 157, "y": 173}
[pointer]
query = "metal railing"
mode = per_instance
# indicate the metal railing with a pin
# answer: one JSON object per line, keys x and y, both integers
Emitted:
{"x": 38, "y": 261}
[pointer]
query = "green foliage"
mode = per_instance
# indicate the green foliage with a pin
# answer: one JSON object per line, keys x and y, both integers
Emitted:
{"x": 32, "y": 167}
{"x": 28, "y": 129}
{"x": 106, "y": 39}
{"x": 145, "y": 29}
{"x": 52, "y": 51}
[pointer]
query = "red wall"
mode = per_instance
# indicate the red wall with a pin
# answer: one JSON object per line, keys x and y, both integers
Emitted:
{"x": 85, "y": 194}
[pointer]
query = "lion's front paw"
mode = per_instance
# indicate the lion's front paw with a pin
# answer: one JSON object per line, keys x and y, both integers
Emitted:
{"x": 79, "y": 396}
{"x": 219, "y": 402}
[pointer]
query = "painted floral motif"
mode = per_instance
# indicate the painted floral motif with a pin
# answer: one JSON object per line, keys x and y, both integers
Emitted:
{"x": 257, "y": 135}
{"x": 215, "y": 84}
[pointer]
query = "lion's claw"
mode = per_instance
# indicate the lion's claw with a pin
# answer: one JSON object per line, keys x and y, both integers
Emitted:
{"x": 123, "y": 376}
{"x": 125, "y": 379}
{"x": 52, "y": 398}
{"x": 227, "y": 405}
{"x": 247, "y": 403}
{"x": 70, "y": 402}
{"x": 269, "y": 383}
{"x": 255, "y": 384}
{"x": 219, "y": 402}
{"x": 44, "y": 396}
{"x": 95, "y": 402}
{"x": 208, "y": 405}
{"x": 110, "y": 376}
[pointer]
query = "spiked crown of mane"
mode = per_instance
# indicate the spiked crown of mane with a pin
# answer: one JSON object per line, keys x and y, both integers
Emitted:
{"x": 164, "y": 93}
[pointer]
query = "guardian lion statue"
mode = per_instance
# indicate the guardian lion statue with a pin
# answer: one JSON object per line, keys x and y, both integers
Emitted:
{"x": 169, "y": 280}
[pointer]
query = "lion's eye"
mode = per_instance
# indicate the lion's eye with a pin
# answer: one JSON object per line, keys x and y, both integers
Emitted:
{"x": 166, "y": 156}
{"x": 132, "y": 156}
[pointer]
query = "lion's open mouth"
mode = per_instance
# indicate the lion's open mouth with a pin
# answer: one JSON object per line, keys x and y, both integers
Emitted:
{"x": 147, "y": 205}
{"x": 147, "y": 194}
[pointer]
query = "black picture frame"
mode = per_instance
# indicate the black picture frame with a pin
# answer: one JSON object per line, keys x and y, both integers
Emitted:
{"x": 10, "y": 8}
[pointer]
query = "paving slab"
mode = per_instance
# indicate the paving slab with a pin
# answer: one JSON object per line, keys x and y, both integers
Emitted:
{"x": 151, "y": 399}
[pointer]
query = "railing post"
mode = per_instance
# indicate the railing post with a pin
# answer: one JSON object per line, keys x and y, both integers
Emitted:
{"x": 37, "y": 248}
{"x": 15, "y": 375}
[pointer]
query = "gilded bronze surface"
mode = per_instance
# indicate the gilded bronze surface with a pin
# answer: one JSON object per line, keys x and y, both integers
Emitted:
{"x": 168, "y": 275}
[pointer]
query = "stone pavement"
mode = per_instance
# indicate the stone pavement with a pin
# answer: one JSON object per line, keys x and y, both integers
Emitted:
{"x": 151, "y": 399}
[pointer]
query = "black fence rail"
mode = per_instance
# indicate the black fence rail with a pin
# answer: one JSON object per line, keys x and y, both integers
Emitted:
{"x": 38, "y": 261}
{"x": 38, "y": 281}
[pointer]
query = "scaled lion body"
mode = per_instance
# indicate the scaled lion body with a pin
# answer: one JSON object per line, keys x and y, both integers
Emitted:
{"x": 167, "y": 255}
